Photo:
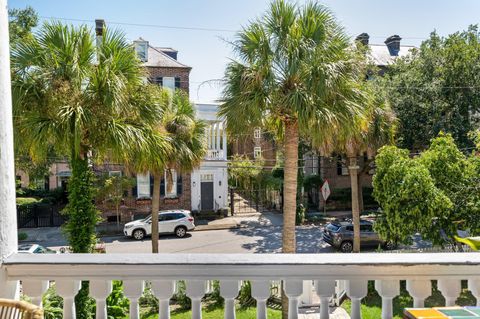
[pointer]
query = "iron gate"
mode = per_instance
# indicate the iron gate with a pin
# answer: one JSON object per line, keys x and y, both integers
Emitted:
{"x": 38, "y": 215}
{"x": 244, "y": 201}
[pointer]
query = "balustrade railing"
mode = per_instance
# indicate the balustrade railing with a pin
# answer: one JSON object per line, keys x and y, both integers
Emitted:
{"x": 163, "y": 270}
{"x": 214, "y": 155}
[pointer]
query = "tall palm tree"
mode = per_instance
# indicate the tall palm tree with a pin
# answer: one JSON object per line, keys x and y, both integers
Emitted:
{"x": 371, "y": 129}
{"x": 293, "y": 72}
{"x": 186, "y": 136}
{"x": 76, "y": 97}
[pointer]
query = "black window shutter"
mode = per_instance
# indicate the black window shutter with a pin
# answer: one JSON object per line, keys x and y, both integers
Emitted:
{"x": 177, "y": 82}
{"x": 159, "y": 80}
{"x": 151, "y": 184}
{"x": 162, "y": 187}
{"x": 179, "y": 185}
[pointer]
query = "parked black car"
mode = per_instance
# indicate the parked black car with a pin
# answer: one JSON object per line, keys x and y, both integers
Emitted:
{"x": 339, "y": 234}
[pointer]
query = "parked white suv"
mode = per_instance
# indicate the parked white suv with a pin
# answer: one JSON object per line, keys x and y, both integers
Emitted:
{"x": 176, "y": 222}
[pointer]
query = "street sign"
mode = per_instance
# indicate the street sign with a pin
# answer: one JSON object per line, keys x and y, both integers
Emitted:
{"x": 325, "y": 190}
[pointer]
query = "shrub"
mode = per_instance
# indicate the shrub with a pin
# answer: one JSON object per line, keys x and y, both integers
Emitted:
{"x": 148, "y": 301}
{"x": 52, "y": 304}
{"x": 245, "y": 299}
{"x": 22, "y": 236}
{"x": 117, "y": 303}
{"x": 300, "y": 214}
{"x": 181, "y": 298}
{"x": 26, "y": 201}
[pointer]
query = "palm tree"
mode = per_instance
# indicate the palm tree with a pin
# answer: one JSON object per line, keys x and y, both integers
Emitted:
{"x": 371, "y": 129}
{"x": 294, "y": 74}
{"x": 185, "y": 135}
{"x": 76, "y": 97}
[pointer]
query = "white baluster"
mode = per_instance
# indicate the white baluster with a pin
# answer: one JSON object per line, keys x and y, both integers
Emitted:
{"x": 163, "y": 290}
{"x": 387, "y": 289}
{"x": 196, "y": 290}
{"x": 35, "y": 290}
{"x": 356, "y": 291}
{"x": 229, "y": 291}
{"x": 325, "y": 290}
{"x": 68, "y": 289}
{"x": 100, "y": 290}
{"x": 261, "y": 293}
{"x": 419, "y": 290}
{"x": 133, "y": 289}
{"x": 293, "y": 290}
{"x": 474, "y": 287}
{"x": 450, "y": 289}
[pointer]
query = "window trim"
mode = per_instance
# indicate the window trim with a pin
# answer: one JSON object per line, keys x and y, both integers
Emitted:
{"x": 174, "y": 188}
{"x": 257, "y": 152}
{"x": 257, "y": 133}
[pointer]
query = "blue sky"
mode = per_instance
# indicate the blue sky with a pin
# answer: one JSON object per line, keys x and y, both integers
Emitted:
{"x": 207, "y": 52}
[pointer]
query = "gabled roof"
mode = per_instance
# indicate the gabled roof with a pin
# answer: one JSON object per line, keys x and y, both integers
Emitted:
{"x": 381, "y": 56}
{"x": 156, "y": 58}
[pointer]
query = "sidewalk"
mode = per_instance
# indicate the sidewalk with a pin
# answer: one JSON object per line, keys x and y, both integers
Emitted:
{"x": 260, "y": 220}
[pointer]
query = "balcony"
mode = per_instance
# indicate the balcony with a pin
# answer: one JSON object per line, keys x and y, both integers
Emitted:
{"x": 214, "y": 155}
{"x": 162, "y": 270}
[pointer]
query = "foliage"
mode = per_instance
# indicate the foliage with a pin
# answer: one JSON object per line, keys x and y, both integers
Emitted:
{"x": 52, "y": 304}
{"x": 300, "y": 214}
{"x": 312, "y": 181}
{"x": 117, "y": 303}
{"x": 180, "y": 296}
{"x": 435, "y": 89}
{"x": 244, "y": 172}
{"x": 112, "y": 190}
{"x": 434, "y": 194}
{"x": 26, "y": 201}
{"x": 84, "y": 305}
{"x": 214, "y": 298}
{"x": 244, "y": 298}
{"x": 22, "y": 236}
{"x": 148, "y": 300}
{"x": 81, "y": 211}
{"x": 215, "y": 313}
{"x": 21, "y": 22}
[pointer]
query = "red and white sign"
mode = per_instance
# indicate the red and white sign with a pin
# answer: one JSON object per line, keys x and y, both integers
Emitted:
{"x": 325, "y": 190}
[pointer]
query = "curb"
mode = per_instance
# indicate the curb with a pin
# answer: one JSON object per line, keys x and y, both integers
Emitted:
{"x": 216, "y": 227}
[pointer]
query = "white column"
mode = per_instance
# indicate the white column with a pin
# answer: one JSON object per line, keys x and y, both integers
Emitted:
{"x": 133, "y": 289}
{"x": 261, "y": 293}
{"x": 387, "y": 289}
{"x": 419, "y": 290}
{"x": 217, "y": 135}
{"x": 196, "y": 290}
{"x": 356, "y": 291}
{"x": 474, "y": 287}
{"x": 224, "y": 141}
{"x": 8, "y": 213}
{"x": 293, "y": 290}
{"x": 35, "y": 290}
{"x": 450, "y": 289}
{"x": 229, "y": 291}
{"x": 325, "y": 290}
{"x": 163, "y": 290}
{"x": 68, "y": 289}
{"x": 100, "y": 290}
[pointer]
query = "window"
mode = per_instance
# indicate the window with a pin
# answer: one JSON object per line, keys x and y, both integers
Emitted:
{"x": 170, "y": 183}
{"x": 366, "y": 228}
{"x": 177, "y": 82}
{"x": 141, "y": 47}
{"x": 114, "y": 173}
{"x": 143, "y": 185}
{"x": 257, "y": 133}
{"x": 158, "y": 80}
{"x": 257, "y": 152}
{"x": 206, "y": 177}
{"x": 342, "y": 168}
{"x": 169, "y": 82}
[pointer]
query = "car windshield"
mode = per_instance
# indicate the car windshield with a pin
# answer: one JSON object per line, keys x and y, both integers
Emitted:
{"x": 24, "y": 247}
{"x": 333, "y": 227}
{"x": 147, "y": 219}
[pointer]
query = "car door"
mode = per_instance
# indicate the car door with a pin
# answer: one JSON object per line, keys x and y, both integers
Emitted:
{"x": 170, "y": 222}
{"x": 367, "y": 236}
{"x": 162, "y": 226}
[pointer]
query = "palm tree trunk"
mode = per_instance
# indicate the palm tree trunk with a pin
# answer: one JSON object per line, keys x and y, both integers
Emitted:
{"x": 290, "y": 186}
{"x": 360, "y": 193}
{"x": 353, "y": 170}
{"x": 155, "y": 208}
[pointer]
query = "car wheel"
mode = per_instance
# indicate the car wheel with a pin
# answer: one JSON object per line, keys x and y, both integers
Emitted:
{"x": 346, "y": 247}
{"x": 138, "y": 234}
{"x": 180, "y": 231}
{"x": 390, "y": 245}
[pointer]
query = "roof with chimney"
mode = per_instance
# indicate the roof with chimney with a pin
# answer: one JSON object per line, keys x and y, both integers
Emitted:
{"x": 385, "y": 54}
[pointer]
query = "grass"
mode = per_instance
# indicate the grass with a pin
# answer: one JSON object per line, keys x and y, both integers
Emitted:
{"x": 372, "y": 304}
{"x": 218, "y": 313}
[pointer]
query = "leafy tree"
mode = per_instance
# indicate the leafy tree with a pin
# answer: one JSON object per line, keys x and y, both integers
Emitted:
{"x": 436, "y": 89}
{"x": 244, "y": 172}
{"x": 112, "y": 189}
{"x": 293, "y": 75}
{"x": 434, "y": 194}
{"x": 21, "y": 22}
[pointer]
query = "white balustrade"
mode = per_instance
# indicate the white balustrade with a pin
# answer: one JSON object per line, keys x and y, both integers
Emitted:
{"x": 163, "y": 270}
{"x": 214, "y": 155}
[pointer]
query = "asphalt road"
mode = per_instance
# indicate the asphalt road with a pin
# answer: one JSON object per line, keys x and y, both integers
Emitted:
{"x": 243, "y": 240}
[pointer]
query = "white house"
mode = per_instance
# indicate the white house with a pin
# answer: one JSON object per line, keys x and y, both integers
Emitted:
{"x": 209, "y": 182}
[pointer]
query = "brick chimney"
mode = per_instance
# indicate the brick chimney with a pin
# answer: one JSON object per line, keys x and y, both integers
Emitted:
{"x": 393, "y": 44}
{"x": 363, "y": 38}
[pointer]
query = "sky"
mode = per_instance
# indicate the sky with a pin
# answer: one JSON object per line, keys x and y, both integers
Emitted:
{"x": 208, "y": 52}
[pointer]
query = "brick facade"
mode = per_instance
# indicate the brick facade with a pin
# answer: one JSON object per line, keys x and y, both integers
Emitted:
{"x": 246, "y": 146}
{"x": 182, "y": 73}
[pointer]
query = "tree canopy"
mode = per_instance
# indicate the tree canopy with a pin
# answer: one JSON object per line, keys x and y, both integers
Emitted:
{"x": 436, "y": 88}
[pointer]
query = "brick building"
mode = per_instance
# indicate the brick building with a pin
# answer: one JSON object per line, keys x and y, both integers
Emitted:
{"x": 256, "y": 144}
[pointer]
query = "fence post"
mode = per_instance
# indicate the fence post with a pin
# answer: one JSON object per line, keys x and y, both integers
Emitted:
{"x": 232, "y": 201}
{"x": 52, "y": 223}
{"x": 256, "y": 199}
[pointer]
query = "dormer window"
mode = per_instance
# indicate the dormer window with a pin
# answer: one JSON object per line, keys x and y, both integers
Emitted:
{"x": 141, "y": 47}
